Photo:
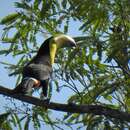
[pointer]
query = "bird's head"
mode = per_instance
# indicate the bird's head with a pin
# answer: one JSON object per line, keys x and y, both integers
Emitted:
{"x": 60, "y": 41}
{"x": 52, "y": 44}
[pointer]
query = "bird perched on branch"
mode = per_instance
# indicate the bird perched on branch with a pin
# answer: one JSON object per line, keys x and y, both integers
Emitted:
{"x": 38, "y": 71}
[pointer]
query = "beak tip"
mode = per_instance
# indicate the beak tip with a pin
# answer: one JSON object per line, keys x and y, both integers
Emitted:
{"x": 74, "y": 44}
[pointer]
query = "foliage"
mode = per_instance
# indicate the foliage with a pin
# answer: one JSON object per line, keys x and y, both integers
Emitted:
{"x": 97, "y": 71}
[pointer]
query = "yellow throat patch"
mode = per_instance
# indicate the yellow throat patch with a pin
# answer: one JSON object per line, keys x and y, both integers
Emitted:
{"x": 53, "y": 49}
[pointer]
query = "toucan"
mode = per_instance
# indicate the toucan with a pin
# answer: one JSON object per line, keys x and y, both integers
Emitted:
{"x": 37, "y": 72}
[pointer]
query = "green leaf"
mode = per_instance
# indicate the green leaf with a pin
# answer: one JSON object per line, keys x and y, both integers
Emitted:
{"x": 45, "y": 9}
{"x": 27, "y": 122}
{"x": 10, "y": 18}
{"x": 6, "y": 126}
{"x": 65, "y": 28}
{"x": 37, "y": 3}
{"x": 36, "y": 121}
{"x": 13, "y": 120}
{"x": 57, "y": 85}
{"x": 3, "y": 117}
{"x": 73, "y": 118}
{"x": 109, "y": 98}
{"x": 22, "y": 5}
{"x": 18, "y": 121}
{"x": 64, "y": 3}
{"x": 94, "y": 122}
{"x": 2, "y": 52}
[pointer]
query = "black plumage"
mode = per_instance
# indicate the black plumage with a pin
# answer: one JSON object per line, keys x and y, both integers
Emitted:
{"x": 39, "y": 68}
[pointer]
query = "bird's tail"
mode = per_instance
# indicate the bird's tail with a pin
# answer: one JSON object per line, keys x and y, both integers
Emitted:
{"x": 17, "y": 89}
{"x": 25, "y": 87}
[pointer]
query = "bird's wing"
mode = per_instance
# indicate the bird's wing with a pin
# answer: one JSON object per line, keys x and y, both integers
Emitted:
{"x": 38, "y": 71}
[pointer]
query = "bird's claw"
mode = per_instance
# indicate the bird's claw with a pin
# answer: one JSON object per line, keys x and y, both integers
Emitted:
{"x": 45, "y": 99}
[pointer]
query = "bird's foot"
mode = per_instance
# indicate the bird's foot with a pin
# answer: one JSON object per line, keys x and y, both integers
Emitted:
{"x": 47, "y": 100}
{"x": 44, "y": 98}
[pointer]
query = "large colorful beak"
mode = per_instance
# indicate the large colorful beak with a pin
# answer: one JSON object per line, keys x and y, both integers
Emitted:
{"x": 64, "y": 41}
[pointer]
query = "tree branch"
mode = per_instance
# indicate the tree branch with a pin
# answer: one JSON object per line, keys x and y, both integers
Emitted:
{"x": 73, "y": 108}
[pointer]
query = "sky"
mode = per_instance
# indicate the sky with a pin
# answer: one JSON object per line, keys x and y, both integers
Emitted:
{"x": 7, "y": 7}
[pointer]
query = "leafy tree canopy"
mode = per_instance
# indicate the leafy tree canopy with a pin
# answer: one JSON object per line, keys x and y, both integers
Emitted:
{"x": 97, "y": 71}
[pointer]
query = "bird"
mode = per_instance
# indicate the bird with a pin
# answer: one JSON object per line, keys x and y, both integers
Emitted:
{"x": 37, "y": 72}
